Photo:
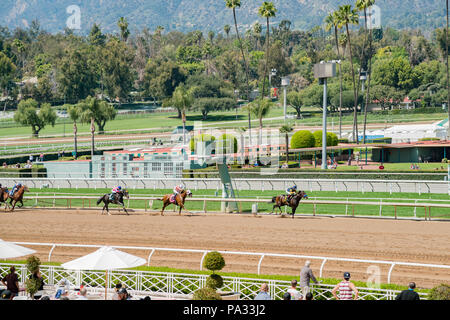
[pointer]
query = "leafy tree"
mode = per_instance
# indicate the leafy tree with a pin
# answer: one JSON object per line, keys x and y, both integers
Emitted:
{"x": 96, "y": 37}
{"x": 294, "y": 100}
{"x": 7, "y": 72}
{"x": 182, "y": 99}
{"x": 27, "y": 114}
{"x": 118, "y": 76}
{"x": 77, "y": 79}
{"x": 206, "y": 105}
{"x": 386, "y": 96}
{"x": 395, "y": 72}
{"x": 124, "y": 32}
{"x": 94, "y": 110}
{"x": 227, "y": 30}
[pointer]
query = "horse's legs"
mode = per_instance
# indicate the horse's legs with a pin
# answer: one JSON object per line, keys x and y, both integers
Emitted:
{"x": 21, "y": 203}
{"x": 13, "y": 205}
{"x": 124, "y": 209}
{"x": 164, "y": 206}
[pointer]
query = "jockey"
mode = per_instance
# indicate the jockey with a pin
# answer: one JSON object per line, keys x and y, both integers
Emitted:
{"x": 291, "y": 191}
{"x": 14, "y": 189}
{"x": 178, "y": 189}
{"x": 114, "y": 191}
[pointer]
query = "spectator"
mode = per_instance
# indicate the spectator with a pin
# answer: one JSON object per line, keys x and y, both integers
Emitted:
{"x": 31, "y": 158}
{"x": 146, "y": 298}
{"x": 82, "y": 295}
{"x": 408, "y": 294}
{"x": 306, "y": 275}
{"x": 116, "y": 291}
{"x": 295, "y": 294}
{"x": 11, "y": 281}
{"x": 123, "y": 294}
{"x": 345, "y": 288}
{"x": 263, "y": 295}
{"x": 59, "y": 154}
{"x": 287, "y": 296}
{"x": 5, "y": 165}
{"x": 309, "y": 296}
{"x": 7, "y": 295}
{"x": 42, "y": 157}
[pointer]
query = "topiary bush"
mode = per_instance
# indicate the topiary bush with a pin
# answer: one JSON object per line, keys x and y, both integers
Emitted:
{"x": 441, "y": 292}
{"x": 206, "y": 293}
{"x": 33, "y": 264}
{"x": 226, "y": 143}
{"x": 214, "y": 261}
{"x": 200, "y": 137}
{"x": 32, "y": 285}
{"x": 332, "y": 139}
{"x": 302, "y": 139}
{"x": 214, "y": 281}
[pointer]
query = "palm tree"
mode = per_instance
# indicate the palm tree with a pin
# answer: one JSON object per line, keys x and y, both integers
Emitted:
{"x": 267, "y": 10}
{"x": 257, "y": 29}
{"x": 363, "y": 5}
{"x": 346, "y": 16}
{"x": 233, "y": 4}
{"x": 286, "y": 129}
{"x": 332, "y": 21}
{"x": 227, "y": 29}
{"x": 123, "y": 25}
{"x": 74, "y": 114}
{"x": 260, "y": 108}
{"x": 183, "y": 99}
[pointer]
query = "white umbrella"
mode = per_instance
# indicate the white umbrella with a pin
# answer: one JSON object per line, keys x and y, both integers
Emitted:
{"x": 11, "y": 250}
{"x": 105, "y": 258}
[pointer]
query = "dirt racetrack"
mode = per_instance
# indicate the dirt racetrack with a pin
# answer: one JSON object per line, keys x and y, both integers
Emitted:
{"x": 388, "y": 240}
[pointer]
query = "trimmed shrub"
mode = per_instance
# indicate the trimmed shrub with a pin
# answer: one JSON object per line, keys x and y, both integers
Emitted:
{"x": 200, "y": 137}
{"x": 332, "y": 139}
{"x": 429, "y": 139}
{"x": 32, "y": 285}
{"x": 226, "y": 143}
{"x": 302, "y": 139}
{"x": 214, "y": 281}
{"x": 214, "y": 261}
{"x": 441, "y": 292}
{"x": 206, "y": 293}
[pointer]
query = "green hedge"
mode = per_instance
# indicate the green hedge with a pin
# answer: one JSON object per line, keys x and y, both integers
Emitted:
{"x": 302, "y": 139}
{"x": 23, "y": 172}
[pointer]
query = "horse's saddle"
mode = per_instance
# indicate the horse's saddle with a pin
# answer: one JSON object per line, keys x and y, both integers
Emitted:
{"x": 172, "y": 199}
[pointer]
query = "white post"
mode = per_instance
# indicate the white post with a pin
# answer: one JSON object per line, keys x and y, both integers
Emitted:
{"x": 324, "y": 124}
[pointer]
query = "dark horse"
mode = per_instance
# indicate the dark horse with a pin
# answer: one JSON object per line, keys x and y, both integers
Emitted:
{"x": 281, "y": 201}
{"x": 17, "y": 197}
{"x": 179, "y": 200}
{"x": 117, "y": 199}
{"x": 4, "y": 195}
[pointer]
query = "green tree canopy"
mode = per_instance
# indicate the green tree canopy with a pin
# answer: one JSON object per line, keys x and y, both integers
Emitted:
{"x": 27, "y": 114}
{"x": 100, "y": 111}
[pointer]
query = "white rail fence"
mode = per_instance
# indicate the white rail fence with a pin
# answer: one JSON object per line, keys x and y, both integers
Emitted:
{"x": 182, "y": 286}
{"x": 337, "y": 185}
{"x": 261, "y": 256}
{"x": 86, "y": 202}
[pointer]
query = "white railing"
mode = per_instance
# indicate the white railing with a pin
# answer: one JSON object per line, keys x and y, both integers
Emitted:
{"x": 148, "y": 204}
{"x": 179, "y": 285}
{"x": 336, "y": 185}
{"x": 261, "y": 256}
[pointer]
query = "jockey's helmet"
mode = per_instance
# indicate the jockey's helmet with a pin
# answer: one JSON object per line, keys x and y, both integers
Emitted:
{"x": 119, "y": 188}
{"x": 181, "y": 186}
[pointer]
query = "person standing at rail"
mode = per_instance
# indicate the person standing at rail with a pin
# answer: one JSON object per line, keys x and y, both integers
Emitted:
{"x": 306, "y": 275}
{"x": 408, "y": 294}
{"x": 345, "y": 288}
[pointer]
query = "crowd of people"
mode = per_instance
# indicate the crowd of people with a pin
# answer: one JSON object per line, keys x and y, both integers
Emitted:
{"x": 344, "y": 290}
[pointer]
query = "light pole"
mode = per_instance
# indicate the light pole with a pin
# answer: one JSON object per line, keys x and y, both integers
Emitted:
{"x": 323, "y": 71}
{"x": 285, "y": 83}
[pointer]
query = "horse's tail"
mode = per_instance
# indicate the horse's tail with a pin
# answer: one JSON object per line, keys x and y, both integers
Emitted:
{"x": 274, "y": 199}
{"x": 100, "y": 200}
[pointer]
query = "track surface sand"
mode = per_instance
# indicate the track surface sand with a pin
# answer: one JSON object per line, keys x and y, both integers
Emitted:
{"x": 388, "y": 240}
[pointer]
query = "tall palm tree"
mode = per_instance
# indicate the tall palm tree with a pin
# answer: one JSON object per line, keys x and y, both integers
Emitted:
{"x": 286, "y": 129}
{"x": 233, "y": 4}
{"x": 267, "y": 10}
{"x": 332, "y": 21}
{"x": 123, "y": 25}
{"x": 257, "y": 29}
{"x": 260, "y": 108}
{"x": 363, "y": 5}
{"x": 183, "y": 99}
{"x": 347, "y": 16}
{"x": 74, "y": 114}
{"x": 227, "y": 30}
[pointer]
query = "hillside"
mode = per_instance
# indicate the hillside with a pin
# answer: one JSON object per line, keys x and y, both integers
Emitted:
{"x": 186, "y": 15}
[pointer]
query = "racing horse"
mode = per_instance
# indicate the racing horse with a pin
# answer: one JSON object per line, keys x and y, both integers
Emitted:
{"x": 17, "y": 197}
{"x": 281, "y": 201}
{"x": 177, "y": 200}
{"x": 4, "y": 195}
{"x": 117, "y": 199}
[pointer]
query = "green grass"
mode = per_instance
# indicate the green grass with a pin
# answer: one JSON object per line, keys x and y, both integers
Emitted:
{"x": 304, "y": 208}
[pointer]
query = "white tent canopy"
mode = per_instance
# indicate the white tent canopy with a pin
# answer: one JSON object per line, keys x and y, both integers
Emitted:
{"x": 105, "y": 258}
{"x": 11, "y": 250}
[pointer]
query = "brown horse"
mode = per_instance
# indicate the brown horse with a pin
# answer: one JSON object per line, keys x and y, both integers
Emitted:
{"x": 179, "y": 200}
{"x": 4, "y": 195}
{"x": 281, "y": 201}
{"x": 17, "y": 197}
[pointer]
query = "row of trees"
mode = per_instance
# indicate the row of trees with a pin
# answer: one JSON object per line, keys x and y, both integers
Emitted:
{"x": 215, "y": 69}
